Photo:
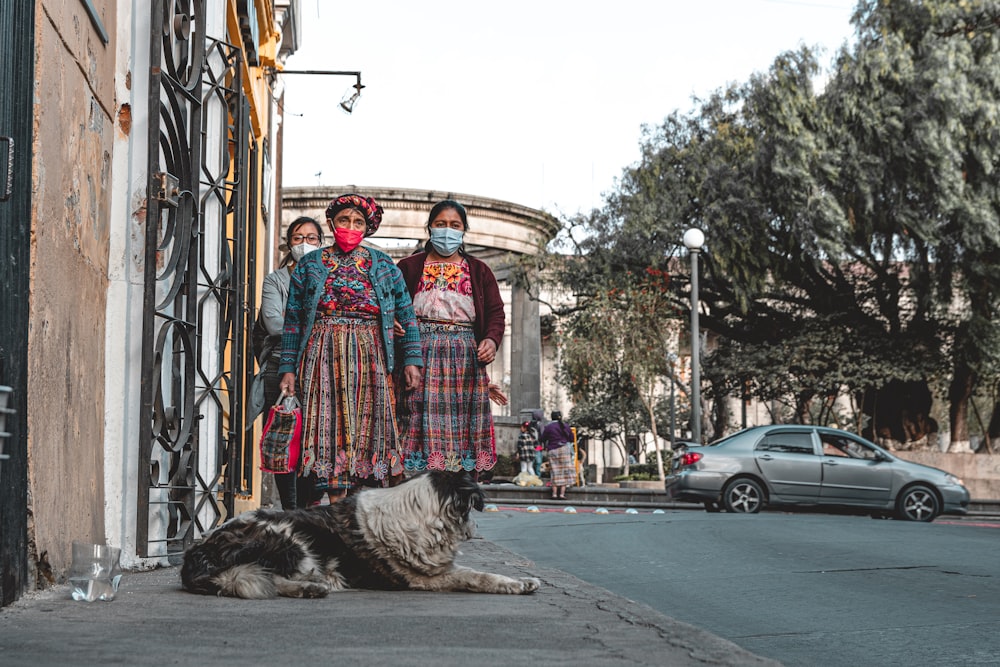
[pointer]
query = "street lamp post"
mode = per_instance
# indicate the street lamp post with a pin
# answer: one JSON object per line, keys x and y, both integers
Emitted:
{"x": 671, "y": 357}
{"x": 694, "y": 239}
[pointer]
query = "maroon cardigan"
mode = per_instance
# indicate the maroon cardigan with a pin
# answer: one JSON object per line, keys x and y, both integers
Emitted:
{"x": 485, "y": 294}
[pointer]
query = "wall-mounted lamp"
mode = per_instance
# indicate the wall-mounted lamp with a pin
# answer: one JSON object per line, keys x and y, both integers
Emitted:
{"x": 347, "y": 104}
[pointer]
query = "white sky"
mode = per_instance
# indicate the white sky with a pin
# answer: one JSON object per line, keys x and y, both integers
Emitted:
{"x": 540, "y": 103}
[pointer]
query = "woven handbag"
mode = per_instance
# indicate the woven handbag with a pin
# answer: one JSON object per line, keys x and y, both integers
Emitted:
{"x": 281, "y": 441}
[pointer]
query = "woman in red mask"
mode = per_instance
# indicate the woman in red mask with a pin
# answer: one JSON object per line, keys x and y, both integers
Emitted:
{"x": 339, "y": 349}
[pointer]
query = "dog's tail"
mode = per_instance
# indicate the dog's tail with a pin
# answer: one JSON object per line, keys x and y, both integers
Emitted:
{"x": 250, "y": 581}
{"x": 209, "y": 570}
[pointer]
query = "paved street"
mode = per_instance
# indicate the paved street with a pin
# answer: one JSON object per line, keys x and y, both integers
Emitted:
{"x": 805, "y": 588}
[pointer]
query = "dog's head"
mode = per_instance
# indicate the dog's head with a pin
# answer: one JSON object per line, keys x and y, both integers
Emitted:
{"x": 460, "y": 488}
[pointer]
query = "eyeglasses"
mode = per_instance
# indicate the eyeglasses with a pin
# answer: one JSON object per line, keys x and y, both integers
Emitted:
{"x": 312, "y": 238}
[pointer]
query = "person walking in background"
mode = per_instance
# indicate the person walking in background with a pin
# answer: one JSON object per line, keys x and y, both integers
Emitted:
{"x": 557, "y": 438}
{"x": 526, "y": 444}
{"x": 537, "y": 415}
{"x": 339, "y": 345}
{"x": 302, "y": 237}
{"x": 447, "y": 424}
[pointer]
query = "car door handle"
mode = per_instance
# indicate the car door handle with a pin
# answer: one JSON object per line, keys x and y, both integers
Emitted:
{"x": 828, "y": 462}
{"x": 765, "y": 457}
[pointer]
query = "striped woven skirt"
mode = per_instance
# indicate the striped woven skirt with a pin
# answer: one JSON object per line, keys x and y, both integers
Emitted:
{"x": 447, "y": 424}
{"x": 561, "y": 465}
{"x": 347, "y": 405}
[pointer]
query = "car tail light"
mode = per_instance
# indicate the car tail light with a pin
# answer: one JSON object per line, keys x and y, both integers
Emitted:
{"x": 690, "y": 458}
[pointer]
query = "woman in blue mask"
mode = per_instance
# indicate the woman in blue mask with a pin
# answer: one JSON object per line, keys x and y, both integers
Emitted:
{"x": 447, "y": 423}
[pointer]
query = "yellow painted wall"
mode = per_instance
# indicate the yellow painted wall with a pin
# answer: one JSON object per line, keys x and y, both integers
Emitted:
{"x": 257, "y": 91}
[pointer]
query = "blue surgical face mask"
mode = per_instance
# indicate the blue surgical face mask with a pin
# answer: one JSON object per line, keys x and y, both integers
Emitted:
{"x": 446, "y": 240}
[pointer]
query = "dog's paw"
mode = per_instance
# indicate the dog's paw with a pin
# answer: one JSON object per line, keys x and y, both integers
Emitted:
{"x": 515, "y": 586}
{"x": 314, "y": 590}
{"x": 307, "y": 589}
{"x": 529, "y": 585}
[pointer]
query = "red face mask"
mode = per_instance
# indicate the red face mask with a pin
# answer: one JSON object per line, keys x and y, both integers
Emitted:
{"x": 348, "y": 239}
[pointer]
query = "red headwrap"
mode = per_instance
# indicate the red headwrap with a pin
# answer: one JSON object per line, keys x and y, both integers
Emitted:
{"x": 367, "y": 206}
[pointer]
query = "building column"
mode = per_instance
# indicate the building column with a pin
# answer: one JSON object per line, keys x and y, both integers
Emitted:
{"x": 525, "y": 353}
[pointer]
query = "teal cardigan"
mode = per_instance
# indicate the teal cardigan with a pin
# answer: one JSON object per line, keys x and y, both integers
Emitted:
{"x": 305, "y": 288}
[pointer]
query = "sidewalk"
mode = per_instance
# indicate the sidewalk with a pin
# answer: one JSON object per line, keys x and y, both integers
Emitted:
{"x": 153, "y": 622}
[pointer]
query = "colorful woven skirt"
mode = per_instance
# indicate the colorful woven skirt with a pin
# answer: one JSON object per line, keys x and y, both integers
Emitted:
{"x": 446, "y": 424}
{"x": 561, "y": 465}
{"x": 347, "y": 405}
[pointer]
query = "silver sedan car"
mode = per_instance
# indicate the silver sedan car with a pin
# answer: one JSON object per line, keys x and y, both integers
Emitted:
{"x": 811, "y": 465}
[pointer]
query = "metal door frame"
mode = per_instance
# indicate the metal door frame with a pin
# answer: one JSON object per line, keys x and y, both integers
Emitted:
{"x": 17, "y": 73}
{"x": 195, "y": 457}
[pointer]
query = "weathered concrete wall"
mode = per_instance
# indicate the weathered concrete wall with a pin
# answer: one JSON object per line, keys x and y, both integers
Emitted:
{"x": 980, "y": 472}
{"x": 74, "y": 102}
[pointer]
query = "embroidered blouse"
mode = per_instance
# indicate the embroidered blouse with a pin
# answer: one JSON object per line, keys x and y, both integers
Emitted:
{"x": 348, "y": 290}
{"x": 444, "y": 293}
{"x": 489, "y": 321}
{"x": 306, "y": 286}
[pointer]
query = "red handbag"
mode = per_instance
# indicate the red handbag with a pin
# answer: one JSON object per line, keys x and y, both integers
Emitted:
{"x": 281, "y": 442}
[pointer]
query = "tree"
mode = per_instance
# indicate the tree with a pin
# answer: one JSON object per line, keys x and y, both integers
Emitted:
{"x": 853, "y": 233}
{"x": 915, "y": 106}
{"x": 616, "y": 344}
{"x": 861, "y": 220}
{"x": 604, "y": 399}
{"x": 608, "y": 422}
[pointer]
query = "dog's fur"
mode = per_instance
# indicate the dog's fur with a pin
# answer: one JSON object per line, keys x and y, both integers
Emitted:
{"x": 399, "y": 538}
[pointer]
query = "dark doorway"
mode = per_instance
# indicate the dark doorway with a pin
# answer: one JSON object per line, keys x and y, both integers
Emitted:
{"x": 17, "y": 48}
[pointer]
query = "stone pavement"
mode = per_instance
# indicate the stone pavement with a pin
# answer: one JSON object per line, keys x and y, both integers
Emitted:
{"x": 153, "y": 622}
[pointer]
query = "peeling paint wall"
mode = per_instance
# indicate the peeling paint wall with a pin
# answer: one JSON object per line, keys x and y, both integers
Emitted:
{"x": 74, "y": 110}
{"x": 123, "y": 319}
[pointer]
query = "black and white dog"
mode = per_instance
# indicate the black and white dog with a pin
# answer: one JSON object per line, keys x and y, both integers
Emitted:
{"x": 399, "y": 538}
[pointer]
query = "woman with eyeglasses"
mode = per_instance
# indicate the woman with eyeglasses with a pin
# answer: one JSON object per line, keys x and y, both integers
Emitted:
{"x": 302, "y": 237}
{"x": 339, "y": 349}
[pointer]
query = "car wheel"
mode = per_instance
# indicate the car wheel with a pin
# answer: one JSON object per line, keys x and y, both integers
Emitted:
{"x": 743, "y": 496}
{"x": 917, "y": 503}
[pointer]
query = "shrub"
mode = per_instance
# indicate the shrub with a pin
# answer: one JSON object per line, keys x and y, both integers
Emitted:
{"x": 640, "y": 472}
{"x": 507, "y": 467}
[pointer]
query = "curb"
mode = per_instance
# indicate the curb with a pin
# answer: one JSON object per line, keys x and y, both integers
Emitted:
{"x": 640, "y": 498}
